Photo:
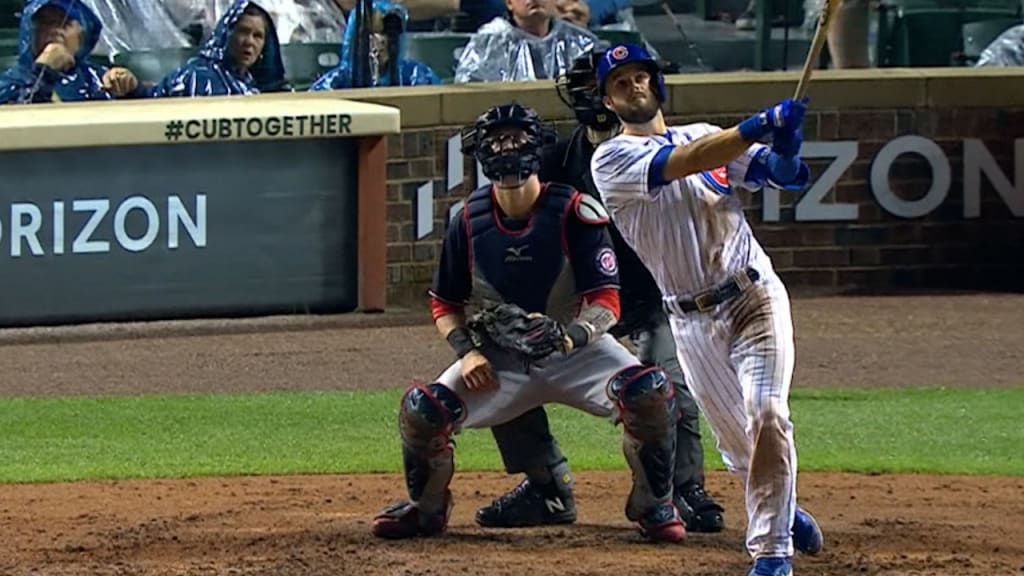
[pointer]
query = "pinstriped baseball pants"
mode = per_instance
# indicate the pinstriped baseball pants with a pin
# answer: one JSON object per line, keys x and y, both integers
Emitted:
{"x": 738, "y": 361}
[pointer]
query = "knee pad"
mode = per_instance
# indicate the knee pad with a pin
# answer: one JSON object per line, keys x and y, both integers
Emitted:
{"x": 427, "y": 418}
{"x": 646, "y": 401}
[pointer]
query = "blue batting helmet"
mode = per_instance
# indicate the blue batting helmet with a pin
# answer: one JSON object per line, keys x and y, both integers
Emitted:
{"x": 622, "y": 54}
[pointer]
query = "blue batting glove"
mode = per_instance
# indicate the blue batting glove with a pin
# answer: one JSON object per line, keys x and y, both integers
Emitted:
{"x": 787, "y": 142}
{"x": 786, "y": 114}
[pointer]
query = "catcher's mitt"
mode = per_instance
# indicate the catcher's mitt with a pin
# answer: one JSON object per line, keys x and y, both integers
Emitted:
{"x": 532, "y": 336}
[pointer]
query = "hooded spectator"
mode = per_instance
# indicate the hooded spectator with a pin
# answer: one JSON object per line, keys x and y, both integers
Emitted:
{"x": 529, "y": 43}
{"x": 242, "y": 56}
{"x": 387, "y": 45}
{"x": 55, "y": 40}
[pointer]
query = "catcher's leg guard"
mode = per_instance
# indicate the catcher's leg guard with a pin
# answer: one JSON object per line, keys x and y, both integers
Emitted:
{"x": 427, "y": 418}
{"x": 645, "y": 398}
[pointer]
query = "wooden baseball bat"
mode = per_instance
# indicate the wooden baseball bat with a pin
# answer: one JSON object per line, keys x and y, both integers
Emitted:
{"x": 828, "y": 12}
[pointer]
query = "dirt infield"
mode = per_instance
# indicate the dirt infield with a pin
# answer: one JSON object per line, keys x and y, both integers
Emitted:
{"x": 895, "y": 525}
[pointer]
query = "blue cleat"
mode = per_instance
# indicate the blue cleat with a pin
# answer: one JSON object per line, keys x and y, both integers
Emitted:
{"x": 771, "y": 567}
{"x": 807, "y": 537}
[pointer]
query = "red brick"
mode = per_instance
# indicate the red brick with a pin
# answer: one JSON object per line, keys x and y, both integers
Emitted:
{"x": 821, "y": 257}
{"x": 817, "y": 235}
{"x": 394, "y": 142}
{"x": 394, "y": 232}
{"x": 865, "y": 256}
{"x": 781, "y": 258}
{"x": 804, "y": 277}
{"x": 853, "y": 193}
{"x": 904, "y": 255}
{"x": 864, "y": 278}
{"x": 397, "y": 170}
{"x": 828, "y": 126}
{"x": 772, "y": 236}
{"x": 399, "y": 253}
{"x": 423, "y": 252}
{"x": 399, "y": 212}
{"x": 867, "y": 126}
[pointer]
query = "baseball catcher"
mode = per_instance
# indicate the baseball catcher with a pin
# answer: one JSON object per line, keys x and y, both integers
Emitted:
{"x": 536, "y": 264}
{"x": 527, "y": 440}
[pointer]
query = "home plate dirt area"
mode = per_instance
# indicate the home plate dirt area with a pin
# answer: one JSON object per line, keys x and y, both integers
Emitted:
{"x": 898, "y": 525}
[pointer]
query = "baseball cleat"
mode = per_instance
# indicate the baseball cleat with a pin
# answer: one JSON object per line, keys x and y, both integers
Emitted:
{"x": 807, "y": 536}
{"x": 405, "y": 520}
{"x": 698, "y": 510}
{"x": 662, "y": 524}
{"x": 527, "y": 505}
{"x": 771, "y": 567}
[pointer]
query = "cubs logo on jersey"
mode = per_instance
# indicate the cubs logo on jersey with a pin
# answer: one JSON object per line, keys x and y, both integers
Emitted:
{"x": 718, "y": 179}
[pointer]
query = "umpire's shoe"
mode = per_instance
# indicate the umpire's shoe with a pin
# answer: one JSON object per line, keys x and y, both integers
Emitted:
{"x": 530, "y": 505}
{"x": 698, "y": 510}
{"x": 405, "y": 520}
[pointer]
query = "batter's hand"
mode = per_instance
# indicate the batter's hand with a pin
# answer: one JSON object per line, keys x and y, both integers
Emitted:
{"x": 788, "y": 114}
{"x": 787, "y": 142}
{"x": 477, "y": 372}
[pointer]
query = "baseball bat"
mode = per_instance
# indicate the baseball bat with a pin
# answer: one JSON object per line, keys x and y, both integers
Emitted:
{"x": 828, "y": 12}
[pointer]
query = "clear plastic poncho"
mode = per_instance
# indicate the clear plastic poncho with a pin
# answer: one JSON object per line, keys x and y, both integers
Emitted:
{"x": 1006, "y": 50}
{"x": 298, "y": 21}
{"x": 501, "y": 52}
{"x": 133, "y": 25}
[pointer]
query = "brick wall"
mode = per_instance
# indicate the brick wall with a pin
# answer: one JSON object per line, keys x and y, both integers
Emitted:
{"x": 876, "y": 251}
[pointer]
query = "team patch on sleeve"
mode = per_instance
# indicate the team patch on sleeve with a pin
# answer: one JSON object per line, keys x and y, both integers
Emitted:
{"x": 607, "y": 264}
{"x": 718, "y": 179}
{"x": 590, "y": 210}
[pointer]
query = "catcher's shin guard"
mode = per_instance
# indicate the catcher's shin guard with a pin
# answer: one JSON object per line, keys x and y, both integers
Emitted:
{"x": 645, "y": 399}
{"x": 427, "y": 418}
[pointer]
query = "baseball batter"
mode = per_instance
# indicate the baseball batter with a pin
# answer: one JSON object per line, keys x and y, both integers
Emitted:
{"x": 546, "y": 249}
{"x": 669, "y": 190}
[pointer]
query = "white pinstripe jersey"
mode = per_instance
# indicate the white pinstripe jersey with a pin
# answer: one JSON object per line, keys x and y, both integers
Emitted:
{"x": 690, "y": 233}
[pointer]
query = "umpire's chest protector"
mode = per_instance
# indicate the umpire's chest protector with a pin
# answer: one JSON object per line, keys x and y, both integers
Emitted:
{"x": 528, "y": 267}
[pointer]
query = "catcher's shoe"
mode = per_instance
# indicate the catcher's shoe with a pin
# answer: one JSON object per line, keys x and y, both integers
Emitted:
{"x": 662, "y": 524}
{"x": 529, "y": 505}
{"x": 699, "y": 511}
{"x": 807, "y": 537}
{"x": 405, "y": 520}
{"x": 772, "y": 567}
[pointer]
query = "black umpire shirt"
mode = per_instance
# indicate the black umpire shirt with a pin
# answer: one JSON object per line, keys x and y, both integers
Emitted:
{"x": 568, "y": 162}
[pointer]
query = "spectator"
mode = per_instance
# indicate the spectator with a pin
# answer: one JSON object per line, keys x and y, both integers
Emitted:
{"x": 132, "y": 25}
{"x": 384, "y": 49}
{"x": 55, "y": 40}
{"x": 529, "y": 43}
{"x": 1006, "y": 50}
{"x": 296, "y": 21}
{"x": 243, "y": 56}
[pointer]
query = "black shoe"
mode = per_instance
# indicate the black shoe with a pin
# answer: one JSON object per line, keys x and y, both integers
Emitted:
{"x": 699, "y": 511}
{"x": 526, "y": 505}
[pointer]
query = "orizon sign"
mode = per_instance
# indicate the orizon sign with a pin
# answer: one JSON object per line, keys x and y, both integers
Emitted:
{"x": 978, "y": 163}
{"x": 98, "y": 225}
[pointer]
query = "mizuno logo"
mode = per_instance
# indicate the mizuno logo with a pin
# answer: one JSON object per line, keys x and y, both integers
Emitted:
{"x": 515, "y": 254}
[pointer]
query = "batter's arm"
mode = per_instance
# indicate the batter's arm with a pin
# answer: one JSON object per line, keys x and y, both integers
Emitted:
{"x": 705, "y": 153}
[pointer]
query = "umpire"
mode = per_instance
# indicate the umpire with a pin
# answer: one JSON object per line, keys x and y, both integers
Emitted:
{"x": 642, "y": 320}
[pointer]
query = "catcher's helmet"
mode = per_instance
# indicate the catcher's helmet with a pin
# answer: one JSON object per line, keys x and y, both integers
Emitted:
{"x": 507, "y": 153}
{"x": 623, "y": 54}
{"x": 577, "y": 88}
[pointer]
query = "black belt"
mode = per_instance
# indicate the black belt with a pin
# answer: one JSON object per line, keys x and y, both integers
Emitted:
{"x": 719, "y": 295}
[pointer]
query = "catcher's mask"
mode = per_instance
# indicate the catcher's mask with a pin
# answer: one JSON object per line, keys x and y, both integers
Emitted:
{"x": 577, "y": 88}
{"x": 508, "y": 141}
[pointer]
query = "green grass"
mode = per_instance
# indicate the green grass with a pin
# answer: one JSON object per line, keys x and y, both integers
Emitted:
{"x": 51, "y": 439}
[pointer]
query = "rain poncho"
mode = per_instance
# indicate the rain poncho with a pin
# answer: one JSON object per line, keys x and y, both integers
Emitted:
{"x": 211, "y": 72}
{"x": 1006, "y": 50}
{"x": 30, "y": 82}
{"x": 134, "y": 25}
{"x": 411, "y": 72}
{"x": 296, "y": 21}
{"x": 500, "y": 51}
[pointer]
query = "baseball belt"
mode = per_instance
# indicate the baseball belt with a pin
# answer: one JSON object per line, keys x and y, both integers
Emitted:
{"x": 715, "y": 296}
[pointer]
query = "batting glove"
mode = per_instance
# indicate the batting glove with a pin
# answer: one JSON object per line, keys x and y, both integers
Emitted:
{"x": 786, "y": 114}
{"x": 787, "y": 141}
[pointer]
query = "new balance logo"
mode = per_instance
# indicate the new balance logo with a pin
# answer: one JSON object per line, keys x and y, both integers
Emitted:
{"x": 555, "y": 505}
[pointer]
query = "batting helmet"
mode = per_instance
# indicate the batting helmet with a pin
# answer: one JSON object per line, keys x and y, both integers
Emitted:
{"x": 623, "y": 54}
{"x": 507, "y": 153}
{"x": 577, "y": 88}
